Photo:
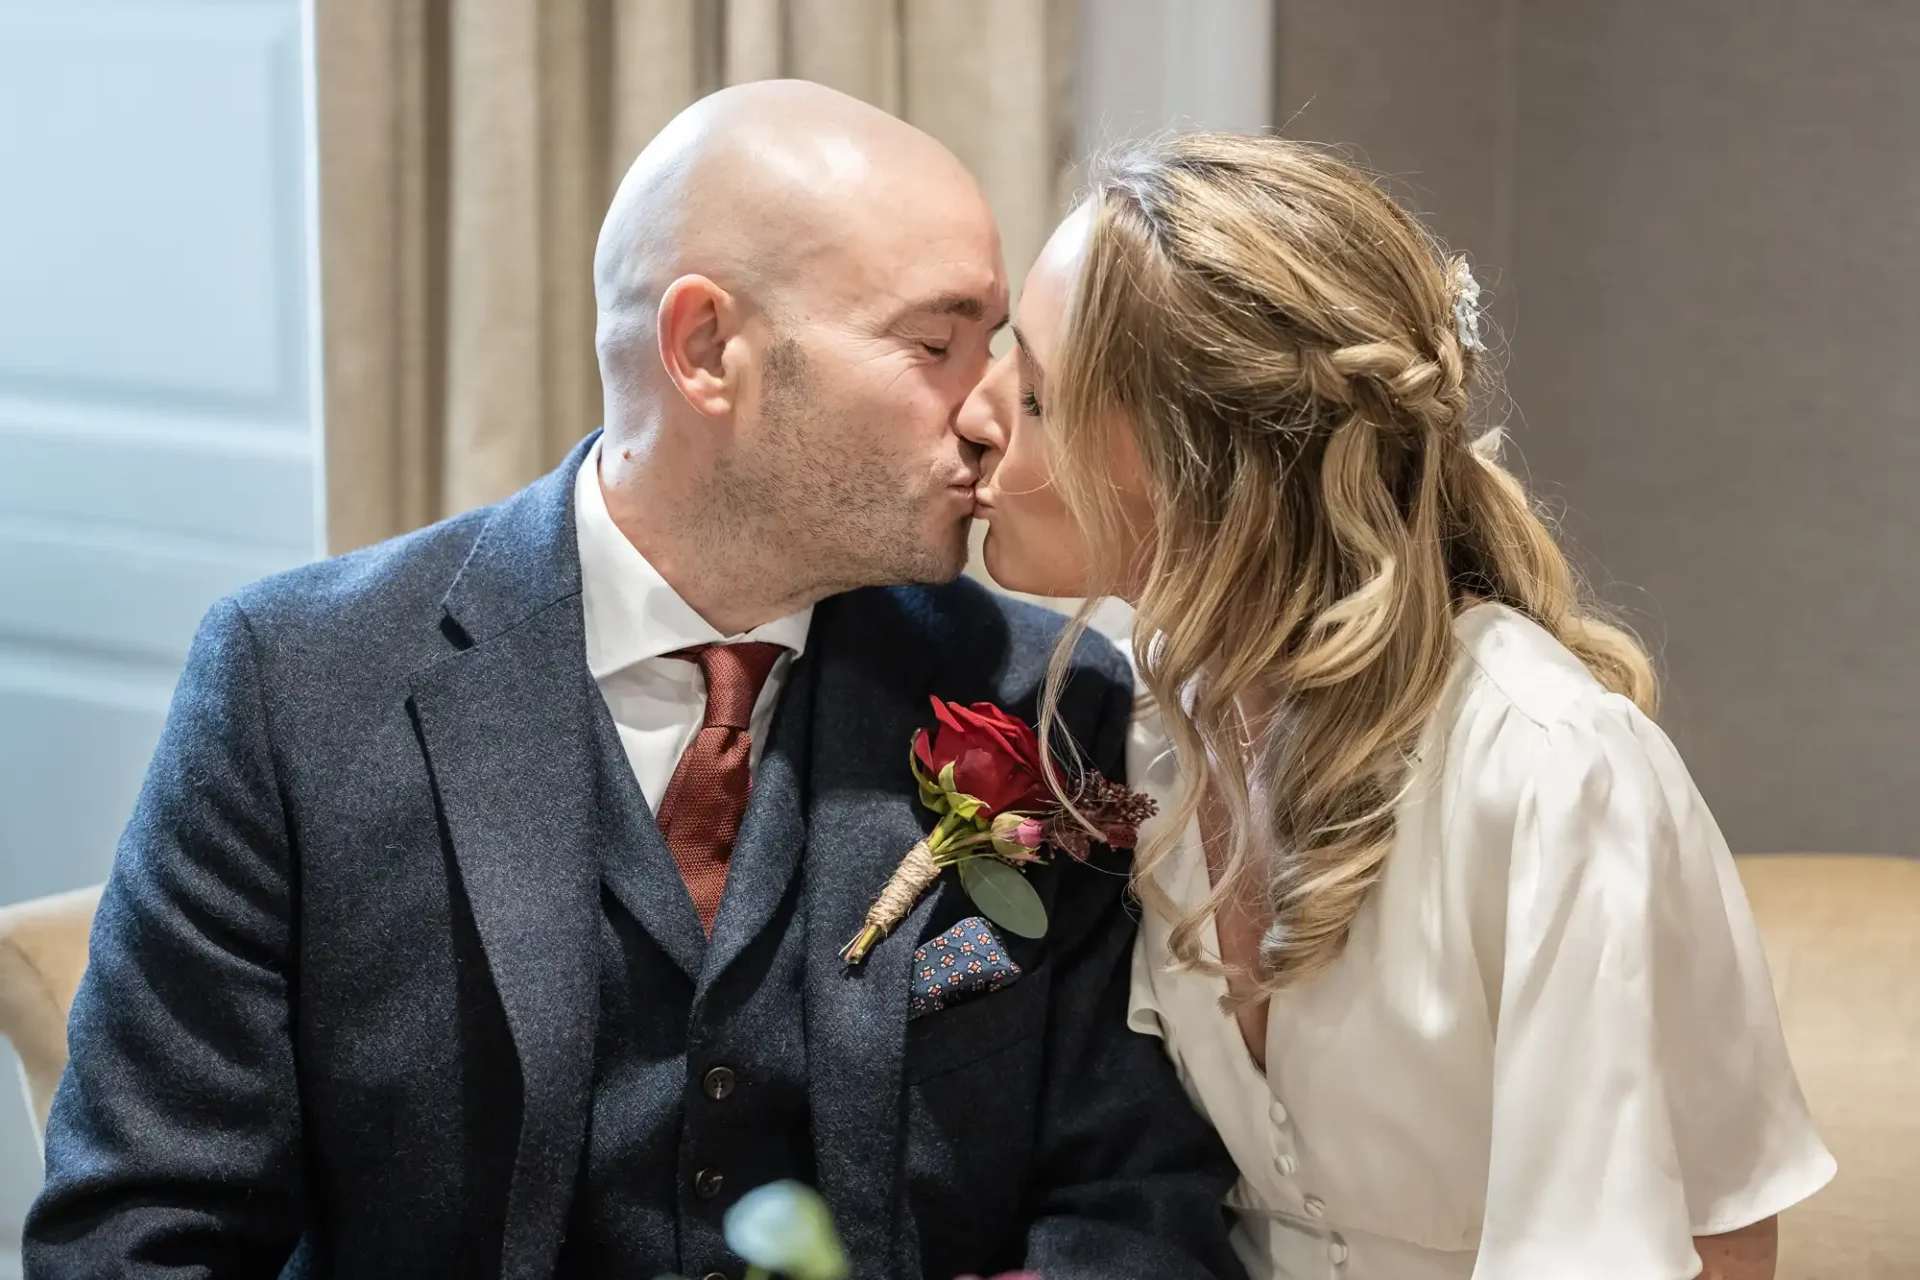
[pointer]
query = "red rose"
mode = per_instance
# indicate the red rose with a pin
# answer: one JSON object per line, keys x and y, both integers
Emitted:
{"x": 995, "y": 758}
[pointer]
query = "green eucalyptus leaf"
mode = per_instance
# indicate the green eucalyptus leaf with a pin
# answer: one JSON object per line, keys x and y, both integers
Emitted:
{"x": 1004, "y": 896}
{"x": 787, "y": 1227}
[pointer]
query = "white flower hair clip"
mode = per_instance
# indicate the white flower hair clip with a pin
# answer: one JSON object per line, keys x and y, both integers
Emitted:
{"x": 1466, "y": 306}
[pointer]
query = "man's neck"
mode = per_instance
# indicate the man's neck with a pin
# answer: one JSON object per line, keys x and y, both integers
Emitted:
{"x": 732, "y": 579}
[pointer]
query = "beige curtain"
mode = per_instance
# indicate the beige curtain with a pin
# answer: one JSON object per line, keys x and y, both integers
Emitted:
{"x": 469, "y": 147}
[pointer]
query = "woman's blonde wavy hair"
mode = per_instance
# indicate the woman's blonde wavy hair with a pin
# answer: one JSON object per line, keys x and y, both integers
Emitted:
{"x": 1280, "y": 340}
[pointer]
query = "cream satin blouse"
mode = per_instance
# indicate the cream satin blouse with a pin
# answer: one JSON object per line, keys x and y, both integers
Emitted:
{"x": 1550, "y": 1050}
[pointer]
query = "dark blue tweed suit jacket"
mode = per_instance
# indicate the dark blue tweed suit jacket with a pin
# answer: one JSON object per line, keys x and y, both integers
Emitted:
{"x": 339, "y": 1018}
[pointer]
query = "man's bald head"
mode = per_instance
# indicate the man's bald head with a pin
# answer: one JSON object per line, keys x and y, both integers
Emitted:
{"x": 796, "y": 296}
{"x": 765, "y": 188}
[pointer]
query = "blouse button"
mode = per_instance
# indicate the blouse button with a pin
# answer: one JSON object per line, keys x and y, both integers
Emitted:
{"x": 1337, "y": 1252}
{"x": 1279, "y": 1113}
{"x": 1286, "y": 1164}
{"x": 1315, "y": 1207}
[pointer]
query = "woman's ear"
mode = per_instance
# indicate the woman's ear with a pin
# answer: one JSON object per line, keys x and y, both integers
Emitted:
{"x": 697, "y": 319}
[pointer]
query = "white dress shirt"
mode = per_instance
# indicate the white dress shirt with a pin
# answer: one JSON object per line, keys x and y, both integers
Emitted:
{"x": 1550, "y": 1048}
{"x": 633, "y": 620}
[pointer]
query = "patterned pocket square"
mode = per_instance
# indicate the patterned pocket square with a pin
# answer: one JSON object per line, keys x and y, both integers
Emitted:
{"x": 965, "y": 961}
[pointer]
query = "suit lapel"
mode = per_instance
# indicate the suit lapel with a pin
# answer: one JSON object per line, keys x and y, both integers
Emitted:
{"x": 864, "y": 817}
{"x": 638, "y": 867}
{"x": 522, "y": 778}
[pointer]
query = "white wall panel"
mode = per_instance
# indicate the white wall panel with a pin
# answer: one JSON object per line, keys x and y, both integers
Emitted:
{"x": 157, "y": 445}
{"x": 151, "y": 471}
{"x": 151, "y": 208}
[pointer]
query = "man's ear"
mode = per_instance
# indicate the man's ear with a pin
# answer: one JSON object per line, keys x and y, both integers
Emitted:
{"x": 697, "y": 320}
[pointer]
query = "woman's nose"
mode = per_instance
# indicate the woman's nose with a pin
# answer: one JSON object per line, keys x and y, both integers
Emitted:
{"x": 982, "y": 419}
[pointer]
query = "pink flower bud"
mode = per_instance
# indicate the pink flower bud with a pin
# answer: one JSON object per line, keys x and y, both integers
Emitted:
{"x": 1017, "y": 838}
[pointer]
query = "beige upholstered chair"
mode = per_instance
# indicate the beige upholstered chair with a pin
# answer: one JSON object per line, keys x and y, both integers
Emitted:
{"x": 1842, "y": 937}
{"x": 1843, "y": 940}
{"x": 43, "y": 952}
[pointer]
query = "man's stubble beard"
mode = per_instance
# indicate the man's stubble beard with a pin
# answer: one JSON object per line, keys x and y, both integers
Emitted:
{"x": 839, "y": 518}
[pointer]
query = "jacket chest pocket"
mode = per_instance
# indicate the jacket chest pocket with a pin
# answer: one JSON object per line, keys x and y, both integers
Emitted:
{"x": 974, "y": 1074}
{"x": 983, "y": 1027}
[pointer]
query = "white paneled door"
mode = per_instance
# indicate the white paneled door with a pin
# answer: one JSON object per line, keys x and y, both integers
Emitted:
{"x": 158, "y": 436}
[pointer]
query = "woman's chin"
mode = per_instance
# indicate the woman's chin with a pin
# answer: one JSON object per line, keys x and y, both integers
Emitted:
{"x": 1003, "y": 566}
{"x": 1013, "y": 571}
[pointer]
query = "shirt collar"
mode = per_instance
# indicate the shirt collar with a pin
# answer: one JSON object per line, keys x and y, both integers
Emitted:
{"x": 632, "y": 613}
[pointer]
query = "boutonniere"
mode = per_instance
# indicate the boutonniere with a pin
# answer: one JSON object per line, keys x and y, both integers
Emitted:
{"x": 980, "y": 769}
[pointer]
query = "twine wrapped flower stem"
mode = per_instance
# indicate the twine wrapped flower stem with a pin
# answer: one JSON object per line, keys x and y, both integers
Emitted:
{"x": 980, "y": 770}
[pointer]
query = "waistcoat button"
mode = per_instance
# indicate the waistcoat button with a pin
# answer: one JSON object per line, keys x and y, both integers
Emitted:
{"x": 707, "y": 1183}
{"x": 719, "y": 1083}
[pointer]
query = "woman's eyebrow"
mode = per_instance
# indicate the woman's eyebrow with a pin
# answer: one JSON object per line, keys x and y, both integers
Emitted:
{"x": 1026, "y": 353}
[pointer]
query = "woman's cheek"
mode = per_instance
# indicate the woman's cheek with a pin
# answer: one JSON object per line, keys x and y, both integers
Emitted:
{"x": 1038, "y": 550}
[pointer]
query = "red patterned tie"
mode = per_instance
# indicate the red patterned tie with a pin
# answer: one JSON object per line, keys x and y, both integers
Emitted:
{"x": 700, "y": 813}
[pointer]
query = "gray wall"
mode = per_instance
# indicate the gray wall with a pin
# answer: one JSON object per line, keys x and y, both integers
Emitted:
{"x": 1146, "y": 65}
{"x": 1702, "y": 221}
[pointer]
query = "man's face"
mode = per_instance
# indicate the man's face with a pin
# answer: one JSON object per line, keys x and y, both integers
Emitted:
{"x": 862, "y": 386}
